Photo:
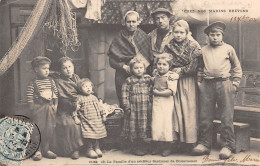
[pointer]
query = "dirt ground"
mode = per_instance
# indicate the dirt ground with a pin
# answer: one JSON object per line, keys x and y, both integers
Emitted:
{"x": 116, "y": 157}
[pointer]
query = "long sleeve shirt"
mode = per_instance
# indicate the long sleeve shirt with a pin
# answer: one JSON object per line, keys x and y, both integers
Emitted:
{"x": 44, "y": 88}
{"x": 221, "y": 62}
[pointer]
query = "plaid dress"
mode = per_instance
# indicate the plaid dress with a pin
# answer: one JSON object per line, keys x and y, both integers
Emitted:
{"x": 136, "y": 95}
{"x": 90, "y": 113}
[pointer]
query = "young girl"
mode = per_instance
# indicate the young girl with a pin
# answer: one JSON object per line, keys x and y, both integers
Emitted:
{"x": 42, "y": 100}
{"x": 136, "y": 93}
{"x": 163, "y": 115}
{"x": 67, "y": 133}
{"x": 91, "y": 116}
{"x": 185, "y": 52}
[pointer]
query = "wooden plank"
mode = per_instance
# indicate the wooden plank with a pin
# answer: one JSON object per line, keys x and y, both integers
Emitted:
{"x": 22, "y": 3}
{"x": 247, "y": 109}
{"x": 236, "y": 124}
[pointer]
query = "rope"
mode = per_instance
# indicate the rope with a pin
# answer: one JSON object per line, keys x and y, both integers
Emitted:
{"x": 63, "y": 24}
{"x": 32, "y": 26}
{"x": 56, "y": 15}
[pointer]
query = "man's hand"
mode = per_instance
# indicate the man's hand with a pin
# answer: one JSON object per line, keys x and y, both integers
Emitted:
{"x": 155, "y": 92}
{"x": 127, "y": 68}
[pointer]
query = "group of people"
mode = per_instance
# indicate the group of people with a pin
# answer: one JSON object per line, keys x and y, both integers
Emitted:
{"x": 169, "y": 86}
{"x": 65, "y": 109}
{"x": 161, "y": 79}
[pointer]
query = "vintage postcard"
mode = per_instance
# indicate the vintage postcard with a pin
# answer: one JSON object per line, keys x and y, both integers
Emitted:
{"x": 129, "y": 82}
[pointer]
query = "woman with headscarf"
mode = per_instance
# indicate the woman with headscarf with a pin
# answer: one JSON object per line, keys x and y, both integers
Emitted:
{"x": 129, "y": 43}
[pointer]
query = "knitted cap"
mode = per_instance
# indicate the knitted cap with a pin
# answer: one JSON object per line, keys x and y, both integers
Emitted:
{"x": 40, "y": 60}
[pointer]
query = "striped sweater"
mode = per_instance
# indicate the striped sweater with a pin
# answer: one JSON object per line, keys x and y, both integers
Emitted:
{"x": 44, "y": 88}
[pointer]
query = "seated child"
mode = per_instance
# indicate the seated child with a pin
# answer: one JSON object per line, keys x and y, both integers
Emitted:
{"x": 91, "y": 117}
{"x": 42, "y": 100}
{"x": 68, "y": 139}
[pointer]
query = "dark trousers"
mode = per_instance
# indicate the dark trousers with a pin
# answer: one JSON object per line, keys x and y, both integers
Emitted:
{"x": 220, "y": 92}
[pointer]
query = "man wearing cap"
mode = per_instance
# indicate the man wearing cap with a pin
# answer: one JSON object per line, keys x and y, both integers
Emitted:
{"x": 218, "y": 80}
{"x": 129, "y": 42}
{"x": 162, "y": 35}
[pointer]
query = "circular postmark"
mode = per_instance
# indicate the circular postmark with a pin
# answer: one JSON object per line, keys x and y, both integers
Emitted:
{"x": 19, "y": 137}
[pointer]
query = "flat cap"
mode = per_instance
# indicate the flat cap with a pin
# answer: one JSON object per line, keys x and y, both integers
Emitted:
{"x": 218, "y": 25}
{"x": 161, "y": 10}
{"x": 39, "y": 60}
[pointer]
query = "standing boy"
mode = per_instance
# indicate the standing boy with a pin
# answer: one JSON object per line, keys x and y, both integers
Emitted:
{"x": 42, "y": 101}
{"x": 221, "y": 74}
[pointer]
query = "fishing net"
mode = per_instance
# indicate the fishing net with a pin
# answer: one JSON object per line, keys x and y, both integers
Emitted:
{"x": 48, "y": 18}
{"x": 62, "y": 24}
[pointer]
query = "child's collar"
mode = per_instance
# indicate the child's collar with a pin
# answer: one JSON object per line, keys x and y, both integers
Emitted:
{"x": 138, "y": 77}
{"x": 165, "y": 75}
{"x": 220, "y": 44}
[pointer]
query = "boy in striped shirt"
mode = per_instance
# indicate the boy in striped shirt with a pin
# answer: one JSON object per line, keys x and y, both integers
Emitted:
{"x": 42, "y": 101}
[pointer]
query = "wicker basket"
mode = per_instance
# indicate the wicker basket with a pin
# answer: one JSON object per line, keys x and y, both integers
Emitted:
{"x": 113, "y": 127}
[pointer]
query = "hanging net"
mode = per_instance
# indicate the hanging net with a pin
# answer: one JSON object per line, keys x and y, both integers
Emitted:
{"x": 49, "y": 18}
{"x": 31, "y": 27}
{"x": 62, "y": 24}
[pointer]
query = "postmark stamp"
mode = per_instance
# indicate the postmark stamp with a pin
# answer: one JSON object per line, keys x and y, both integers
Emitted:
{"x": 19, "y": 138}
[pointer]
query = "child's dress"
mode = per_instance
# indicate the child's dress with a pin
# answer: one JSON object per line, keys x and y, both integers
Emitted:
{"x": 42, "y": 93}
{"x": 136, "y": 95}
{"x": 164, "y": 119}
{"x": 90, "y": 114}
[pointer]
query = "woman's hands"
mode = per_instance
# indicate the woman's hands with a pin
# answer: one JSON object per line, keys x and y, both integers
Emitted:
{"x": 77, "y": 120}
{"x": 164, "y": 93}
{"x": 173, "y": 77}
{"x": 177, "y": 70}
{"x": 156, "y": 92}
{"x": 104, "y": 118}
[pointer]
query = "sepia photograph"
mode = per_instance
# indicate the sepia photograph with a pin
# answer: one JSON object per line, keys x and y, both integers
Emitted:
{"x": 129, "y": 82}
